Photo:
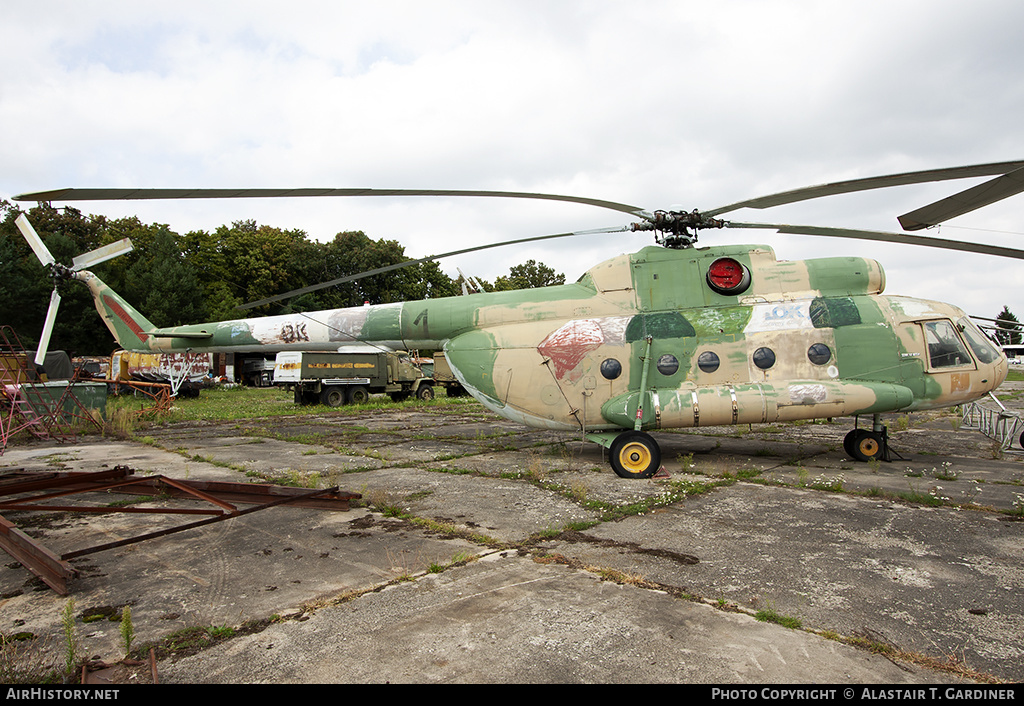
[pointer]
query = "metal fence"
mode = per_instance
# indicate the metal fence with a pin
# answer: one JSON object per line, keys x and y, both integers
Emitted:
{"x": 1001, "y": 424}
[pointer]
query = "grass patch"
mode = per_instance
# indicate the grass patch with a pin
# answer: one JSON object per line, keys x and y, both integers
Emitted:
{"x": 190, "y": 640}
{"x": 769, "y": 615}
{"x": 239, "y": 402}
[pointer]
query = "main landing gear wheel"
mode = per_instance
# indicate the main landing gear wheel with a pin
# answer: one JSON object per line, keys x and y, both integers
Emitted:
{"x": 635, "y": 455}
{"x": 865, "y": 445}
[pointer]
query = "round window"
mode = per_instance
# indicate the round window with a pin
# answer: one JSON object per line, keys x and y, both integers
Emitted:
{"x": 668, "y": 364}
{"x": 819, "y": 354}
{"x": 764, "y": 358}
{"x": 708, "y": 361}
{"x": 611, "y": 368}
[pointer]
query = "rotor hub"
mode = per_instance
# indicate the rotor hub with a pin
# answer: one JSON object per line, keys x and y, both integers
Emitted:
{"x": 677, "y": 229}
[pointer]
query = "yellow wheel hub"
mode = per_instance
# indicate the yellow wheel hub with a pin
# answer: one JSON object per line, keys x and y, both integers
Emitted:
{"x": 868, "y": 446}
{"x": 635, "y": 457}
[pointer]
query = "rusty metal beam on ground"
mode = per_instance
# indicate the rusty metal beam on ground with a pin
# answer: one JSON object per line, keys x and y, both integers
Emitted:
{"x": 56, "y": 572}
{"x": 227, "y": 492}
{"x": 192, "y": 525}
{"x": 19, "y": 481}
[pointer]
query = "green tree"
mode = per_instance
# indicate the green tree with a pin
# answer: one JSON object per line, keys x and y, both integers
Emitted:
{"x": 352, "y": 253}
{"x": 241, "y": 263}
{"x": 163, "y": 284}
{"x": 1008, "y": 330}
{"x": 25, "y": 292}
{"x": 528, "y": 275}
{"x": 200, "y": 276}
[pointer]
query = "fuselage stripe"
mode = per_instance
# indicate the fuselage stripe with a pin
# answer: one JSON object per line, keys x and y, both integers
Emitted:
{"x": 123, "y": 315}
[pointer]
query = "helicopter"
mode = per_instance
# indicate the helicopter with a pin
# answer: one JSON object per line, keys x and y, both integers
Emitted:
{"x": 670, "y": 336}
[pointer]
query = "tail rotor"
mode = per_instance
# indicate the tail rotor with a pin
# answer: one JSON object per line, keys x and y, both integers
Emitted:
{"x": 59, "y": 271}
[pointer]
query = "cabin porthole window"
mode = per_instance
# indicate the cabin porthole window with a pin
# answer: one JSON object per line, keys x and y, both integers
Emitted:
{"x": 668, "y": 364}
{"x": 611, "y": 368}
{"x": 764, "y": 358}
{"x": 708, "y": 361}
{"x": 819, "y": 354}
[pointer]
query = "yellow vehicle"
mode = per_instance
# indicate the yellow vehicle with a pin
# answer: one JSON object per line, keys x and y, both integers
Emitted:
{"x": 184, "y": 372}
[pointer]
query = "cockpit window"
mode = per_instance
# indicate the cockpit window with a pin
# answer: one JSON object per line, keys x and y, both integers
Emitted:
{"x": 945, "y": 349}
{"x": 979, "y": 343}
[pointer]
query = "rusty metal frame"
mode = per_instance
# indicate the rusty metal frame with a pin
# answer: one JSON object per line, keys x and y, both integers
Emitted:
{"x": 41, "y": 415}
{"x": 158, "y": 392}
{"x": 37, "y": 489}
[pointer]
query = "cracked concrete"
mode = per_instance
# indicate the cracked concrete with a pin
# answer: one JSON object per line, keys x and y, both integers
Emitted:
{"x": 362, "y": 597}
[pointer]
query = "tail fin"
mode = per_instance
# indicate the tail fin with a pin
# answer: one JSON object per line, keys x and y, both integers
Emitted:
{"x": 130, "y": 328}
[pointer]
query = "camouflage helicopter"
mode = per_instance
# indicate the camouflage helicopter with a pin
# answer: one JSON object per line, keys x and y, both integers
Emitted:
{"x": 670, "y": 336}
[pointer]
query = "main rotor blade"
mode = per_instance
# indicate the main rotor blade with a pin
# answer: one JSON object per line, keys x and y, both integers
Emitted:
{"x": 879, "y": 182}
{"x": 410, "y": 263}
{"x": 107, "y": 252}
{"x": 156, "y": 194}
{"x": 34, "y": 241}
{"x": 964, "y": 202}
{"x": 1009, "y": 323}
{"x": 885, "y": 237}
{"x": 51, "y": 317}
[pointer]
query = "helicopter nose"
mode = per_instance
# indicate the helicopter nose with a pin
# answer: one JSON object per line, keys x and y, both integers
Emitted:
{"x": 1001, "y": 368}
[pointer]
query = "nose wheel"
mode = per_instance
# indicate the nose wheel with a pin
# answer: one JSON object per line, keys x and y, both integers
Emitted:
{"x": 635, "y": 454}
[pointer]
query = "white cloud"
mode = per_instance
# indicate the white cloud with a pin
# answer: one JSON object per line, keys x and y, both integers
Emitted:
{"x": 655, "y": 103}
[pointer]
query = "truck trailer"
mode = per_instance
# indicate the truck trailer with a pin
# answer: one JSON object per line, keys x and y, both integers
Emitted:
{"x": 335, "y": 379}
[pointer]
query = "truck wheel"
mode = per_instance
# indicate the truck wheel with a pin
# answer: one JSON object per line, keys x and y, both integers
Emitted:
{"x": 332, "y": 396}
{"x": 358, "y": 395}
{"x": 426, "y": 392}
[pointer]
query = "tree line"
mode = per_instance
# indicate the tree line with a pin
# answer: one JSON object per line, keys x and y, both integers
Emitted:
{"x": 202, "y": 276}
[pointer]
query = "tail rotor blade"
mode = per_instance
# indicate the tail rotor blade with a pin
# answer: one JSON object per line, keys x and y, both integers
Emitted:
{"x": 51, "y": 317}
{"x": 34, "y": 241}
{"x": 107, "y": 252}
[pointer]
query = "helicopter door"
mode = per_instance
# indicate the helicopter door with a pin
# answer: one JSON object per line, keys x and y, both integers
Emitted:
{"x": 948, "y": 360}
{"x": 945, "y": 349}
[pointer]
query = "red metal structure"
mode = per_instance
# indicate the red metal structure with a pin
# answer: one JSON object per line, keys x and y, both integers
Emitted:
{"x": 25, "y": 404}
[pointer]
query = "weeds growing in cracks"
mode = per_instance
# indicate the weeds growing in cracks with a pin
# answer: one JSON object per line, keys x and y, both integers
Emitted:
{"x": 67, "y": 621}
{"x": 127, "y": 630}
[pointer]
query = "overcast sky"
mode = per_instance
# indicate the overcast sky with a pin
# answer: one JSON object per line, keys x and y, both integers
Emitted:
{"x": 648, "y": 102}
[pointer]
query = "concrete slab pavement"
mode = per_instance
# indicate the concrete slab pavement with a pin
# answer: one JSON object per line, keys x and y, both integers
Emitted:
{"x": 522, "y": 558}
